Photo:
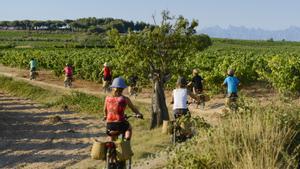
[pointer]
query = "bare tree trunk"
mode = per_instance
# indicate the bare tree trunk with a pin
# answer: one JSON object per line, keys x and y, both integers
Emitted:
{"x": 158, "y": 105}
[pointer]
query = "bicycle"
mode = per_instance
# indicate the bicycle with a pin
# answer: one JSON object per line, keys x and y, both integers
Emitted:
{"x": 201, "y": 101}
{"x": 181, "y": 128}
{"x": 33, "y": 75}
{"x": 232, "y": 102}
{"x": 133, "y": 91}
{"x": 106, "y": 86}
{"x": 112, "y": 161}
{"x": 68, "y": 81}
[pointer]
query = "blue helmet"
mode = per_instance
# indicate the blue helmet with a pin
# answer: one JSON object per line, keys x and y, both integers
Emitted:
{"x": 118, "y": 83}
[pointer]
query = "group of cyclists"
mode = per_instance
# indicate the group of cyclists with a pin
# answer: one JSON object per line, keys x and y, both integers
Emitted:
{"x": 116, "y": 102}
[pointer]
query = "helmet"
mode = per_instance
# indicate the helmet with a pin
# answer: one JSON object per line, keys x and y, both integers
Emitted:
{"x": 230, "y": 72}
{"x": 118, "y": 83}
{"x": 181, "y": 81}
{"x": 195, "y": 71}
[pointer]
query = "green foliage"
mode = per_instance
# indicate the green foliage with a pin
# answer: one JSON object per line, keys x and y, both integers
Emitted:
{"x": 91, "y": 24}
{"x": 83, "y": 103}
{"x": 283, "y": 73}
{"x": 276, "y": 62}
{"x": 161, "y": 50}
{"x": 26, "y": 90}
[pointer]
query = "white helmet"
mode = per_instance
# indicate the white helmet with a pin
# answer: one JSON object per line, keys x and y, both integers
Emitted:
{"x": 106, "y": 64}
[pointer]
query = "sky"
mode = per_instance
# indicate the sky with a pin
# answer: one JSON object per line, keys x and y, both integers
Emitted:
{"x": 265, "y": 14}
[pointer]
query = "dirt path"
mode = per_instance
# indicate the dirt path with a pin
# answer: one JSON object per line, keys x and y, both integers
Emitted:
{"x": 46, "y": 79}
{"x": 31, "y": 138}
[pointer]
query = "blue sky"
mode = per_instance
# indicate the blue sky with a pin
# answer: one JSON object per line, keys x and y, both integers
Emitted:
{"x": 266, "y": 14}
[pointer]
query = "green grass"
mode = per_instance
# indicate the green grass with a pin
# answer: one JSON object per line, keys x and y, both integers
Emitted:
{"x": 49, "y": 39}
{"x": 23, "y": 89}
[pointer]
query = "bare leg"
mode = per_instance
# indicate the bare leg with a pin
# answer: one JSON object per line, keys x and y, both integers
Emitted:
{"x": 128, "y": 133}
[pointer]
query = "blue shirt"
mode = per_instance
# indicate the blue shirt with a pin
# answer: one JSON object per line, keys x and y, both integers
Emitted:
{"x": 232, "y": 83}
{"x": 32, "y": 64}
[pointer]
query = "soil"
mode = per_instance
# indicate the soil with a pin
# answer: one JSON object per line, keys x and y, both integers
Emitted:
{"x": 36, "y": 137}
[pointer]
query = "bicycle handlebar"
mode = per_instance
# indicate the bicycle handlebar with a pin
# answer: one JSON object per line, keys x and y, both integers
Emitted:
{"x": 139, "y": 116}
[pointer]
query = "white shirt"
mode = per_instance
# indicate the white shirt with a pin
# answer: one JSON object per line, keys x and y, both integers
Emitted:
{"x": 180, "y": 98}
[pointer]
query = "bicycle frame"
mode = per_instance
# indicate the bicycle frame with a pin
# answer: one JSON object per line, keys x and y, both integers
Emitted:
{"x": 177, "y": 135}
{"x": 32, "y": 75}
{"x": 68, "y": 82}
{"x": 111, "y": 154}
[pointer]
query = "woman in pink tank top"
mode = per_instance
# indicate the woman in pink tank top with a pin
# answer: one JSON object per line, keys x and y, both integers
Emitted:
{"x": 114, "y": 109}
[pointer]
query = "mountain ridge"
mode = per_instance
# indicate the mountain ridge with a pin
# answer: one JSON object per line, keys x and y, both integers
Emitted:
{"x": 291, "y": 33}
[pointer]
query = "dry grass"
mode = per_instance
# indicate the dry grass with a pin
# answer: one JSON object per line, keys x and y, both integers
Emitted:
{"x": 254, "y": 138}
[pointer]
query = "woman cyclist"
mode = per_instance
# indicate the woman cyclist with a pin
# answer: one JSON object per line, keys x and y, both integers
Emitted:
{"x": 114, "y": 109}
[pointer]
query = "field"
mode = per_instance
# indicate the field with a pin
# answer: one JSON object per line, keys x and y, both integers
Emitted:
{"x": 253, "y": 60}
{"x": 264, "y": 133}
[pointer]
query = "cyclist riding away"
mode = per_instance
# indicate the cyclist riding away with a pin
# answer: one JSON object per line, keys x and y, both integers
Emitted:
{"x": 68, "y": 74}
{"x": 107, "y": 76}
{"x": 232, "y": 83}
{"x": 180, "y": 109}
{"x": 197, "y": 82}
{"x": 33, "y": 67}
{"x": 197, "y": 86}
{"x": 114, "y": 109}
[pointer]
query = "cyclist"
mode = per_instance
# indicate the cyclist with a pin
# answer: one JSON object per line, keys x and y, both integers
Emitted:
{"x": 114, "y": 109}
{"x": 197, "y": 82}
{"x": 33, "y": 67}
{"x": 180, "y": 98}
{"x": 107, "y": 76}
{"x": 232, "y": 83}
{"x": 68, "y": 74}
{"x": 132, "y": 88}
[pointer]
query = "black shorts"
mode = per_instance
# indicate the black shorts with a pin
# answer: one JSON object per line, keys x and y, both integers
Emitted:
{"x": 117, "y": 126}
{"x": 33, "y": 69}
{"x": 107, "y": 78}
{"x": 232, "y": 95}
{"x": 180, "y": 112}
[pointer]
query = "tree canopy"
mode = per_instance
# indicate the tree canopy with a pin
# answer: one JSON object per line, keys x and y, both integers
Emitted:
{"x": 91, "y": 24}
{"x": 159, "y": 51}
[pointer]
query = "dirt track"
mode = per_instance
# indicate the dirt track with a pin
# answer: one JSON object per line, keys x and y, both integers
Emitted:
{"x": 29, "y": 139}
{"x": 47, "y": 80}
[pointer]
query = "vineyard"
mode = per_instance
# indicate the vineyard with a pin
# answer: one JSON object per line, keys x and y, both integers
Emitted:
{"x": 256, "y": 136}
{"x": 277, "y": 63}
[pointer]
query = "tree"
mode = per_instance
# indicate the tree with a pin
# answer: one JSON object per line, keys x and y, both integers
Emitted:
{"x": 158, "y": 52}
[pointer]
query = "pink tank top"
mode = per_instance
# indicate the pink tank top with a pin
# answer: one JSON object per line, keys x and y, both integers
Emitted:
{"x": 115, "y": 107}
{"x": 68, "y": 71}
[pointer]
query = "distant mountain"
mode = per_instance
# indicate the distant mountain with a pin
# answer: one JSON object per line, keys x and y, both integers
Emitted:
{"x": 240, "y": 32}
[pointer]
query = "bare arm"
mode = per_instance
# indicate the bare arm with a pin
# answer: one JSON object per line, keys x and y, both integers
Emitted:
{"x": 132, "y": 107}
{"x": 101, "y": 72}
{"x": 105, "y": 110}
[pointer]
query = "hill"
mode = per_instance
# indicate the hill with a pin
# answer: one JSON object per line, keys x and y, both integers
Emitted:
{"x": 240, "y": 32}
